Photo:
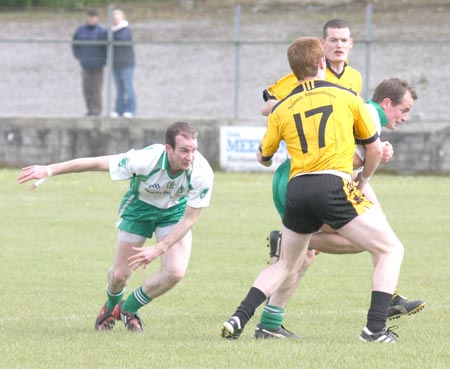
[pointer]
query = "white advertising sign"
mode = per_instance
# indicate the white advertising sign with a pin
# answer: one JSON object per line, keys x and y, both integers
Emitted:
{"x": 238, "y": 145}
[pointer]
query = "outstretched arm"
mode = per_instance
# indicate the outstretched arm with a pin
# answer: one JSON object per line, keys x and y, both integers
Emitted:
{"x": 42, "y": 172}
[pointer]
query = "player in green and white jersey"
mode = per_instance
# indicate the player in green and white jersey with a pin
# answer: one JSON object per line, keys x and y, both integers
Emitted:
{"x": 169, "y": 185}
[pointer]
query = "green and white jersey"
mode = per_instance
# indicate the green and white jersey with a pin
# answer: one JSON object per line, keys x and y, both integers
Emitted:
{"x": 379, "y": 118}
{"x": 153, "y": 188}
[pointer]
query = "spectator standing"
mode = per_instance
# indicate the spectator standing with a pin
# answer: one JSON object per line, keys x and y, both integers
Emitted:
{"x": 123, "y": 67}
{"x": 92, "y": 59}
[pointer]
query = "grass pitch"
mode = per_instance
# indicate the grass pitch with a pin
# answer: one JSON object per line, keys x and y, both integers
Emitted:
{"x": 57, "y": 244}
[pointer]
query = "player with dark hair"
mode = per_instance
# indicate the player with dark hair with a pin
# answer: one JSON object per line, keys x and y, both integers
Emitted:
{"x": 337, "y": 43}
{"x": 319, "y": 122}
{"x": 169, "y": 185}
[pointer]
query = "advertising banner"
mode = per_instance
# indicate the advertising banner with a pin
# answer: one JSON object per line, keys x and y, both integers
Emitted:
{"x": 238, "y": 145}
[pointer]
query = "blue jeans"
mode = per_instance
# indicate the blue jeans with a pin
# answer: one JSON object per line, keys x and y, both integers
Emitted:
{"x": 125, "y": 98}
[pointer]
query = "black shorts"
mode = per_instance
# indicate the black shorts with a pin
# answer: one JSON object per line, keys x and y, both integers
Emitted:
{"x": 316, "y": 199}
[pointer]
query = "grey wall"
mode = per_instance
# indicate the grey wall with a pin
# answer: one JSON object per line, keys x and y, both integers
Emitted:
{"x": 419, "y": 151}
{"x": 25, "y": 141}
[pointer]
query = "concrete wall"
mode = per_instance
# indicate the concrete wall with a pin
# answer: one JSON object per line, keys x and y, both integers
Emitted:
{"x": 25, "y": 141}
{"x": 417, "y": 150}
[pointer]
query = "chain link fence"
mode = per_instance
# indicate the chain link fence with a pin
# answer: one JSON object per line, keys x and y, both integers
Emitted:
{"x": 217, "y": 77}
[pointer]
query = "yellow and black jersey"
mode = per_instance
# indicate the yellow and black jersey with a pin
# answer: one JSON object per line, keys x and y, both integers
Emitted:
{"x": 319, "y": 121}
{"x": 281, "y": 88}
{"x": 349, "y": 78}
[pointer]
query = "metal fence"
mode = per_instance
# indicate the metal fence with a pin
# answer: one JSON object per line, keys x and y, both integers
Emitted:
{"x": 206, "y": 78}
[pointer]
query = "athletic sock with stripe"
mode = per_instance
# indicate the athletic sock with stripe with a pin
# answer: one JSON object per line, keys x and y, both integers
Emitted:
{"x": 272, "y": 317}
{"x": 113, "y": 298}
{"x": 136, "y": 300}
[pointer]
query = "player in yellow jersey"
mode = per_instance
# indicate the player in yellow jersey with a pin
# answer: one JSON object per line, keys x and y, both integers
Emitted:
{"x": 337, "y": 43}
{"x": 319, "y": 122}
{"x": 390, "y": 105}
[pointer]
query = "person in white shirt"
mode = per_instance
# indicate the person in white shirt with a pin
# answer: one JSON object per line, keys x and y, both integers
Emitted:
{"x": 169, "y": 185}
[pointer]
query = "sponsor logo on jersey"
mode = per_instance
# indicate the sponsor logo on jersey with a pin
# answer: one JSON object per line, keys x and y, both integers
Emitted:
{"x": 124, "y": 162}
{"x": 204, "y": 192}
{"x": 154, "y": 186}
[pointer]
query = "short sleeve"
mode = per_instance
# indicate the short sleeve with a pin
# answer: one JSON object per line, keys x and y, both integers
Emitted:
{"x": 134, "y": 162}
{"x": 201, "y": 184}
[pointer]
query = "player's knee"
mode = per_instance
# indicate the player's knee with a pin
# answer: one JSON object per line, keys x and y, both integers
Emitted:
{"x": 310, "y": 256}
{"x": 394, "y": 248}
{"x": 174, "y": 276}
{"x": 399, "y": 249}
{"x": 289, "y": 268}
{"x": 118, "y": 277}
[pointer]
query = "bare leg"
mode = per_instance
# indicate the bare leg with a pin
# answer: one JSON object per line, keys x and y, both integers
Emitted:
{"x": 327, "y": 241}
{"x": 372, "y": 232}
{"x": 120, "y": 271}
{"x": 287, "y": 289}
{"x": 292, "y": 256}
{"x": 174, "y": 264}
{"x": 333, "y": 243}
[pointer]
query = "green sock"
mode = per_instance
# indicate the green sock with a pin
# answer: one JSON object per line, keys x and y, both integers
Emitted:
{"x": 113, "y": 298}
{"x": 136, "y": 300}
{"x": 272, "y": 317}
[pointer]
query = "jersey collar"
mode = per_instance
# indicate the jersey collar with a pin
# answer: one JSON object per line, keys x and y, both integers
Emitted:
{"x": 164, "y": 164}
{"x": 380, "y": 111}
{"x": 332, "y": 71}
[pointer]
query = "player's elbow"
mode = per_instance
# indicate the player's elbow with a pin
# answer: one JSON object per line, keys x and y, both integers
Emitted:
{"x": 268, "y": 106}
{"x": 266, "y": 163}
{"x": 263, "y": 160}
{"x": 375, "y": 149}
{"x": 265, "y": 110}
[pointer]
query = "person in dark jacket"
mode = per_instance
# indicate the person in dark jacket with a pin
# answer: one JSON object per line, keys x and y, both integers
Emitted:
{"x": 92, "y": 58}
{"x": 123, "y": 67}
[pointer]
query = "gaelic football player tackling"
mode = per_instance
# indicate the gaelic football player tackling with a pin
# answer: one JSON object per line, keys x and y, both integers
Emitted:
{"x": 397, "y": 97}
{"x": 319, "y": 122}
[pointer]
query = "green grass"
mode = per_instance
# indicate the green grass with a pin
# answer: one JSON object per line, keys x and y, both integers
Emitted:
{"x": 57, "y": 244}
